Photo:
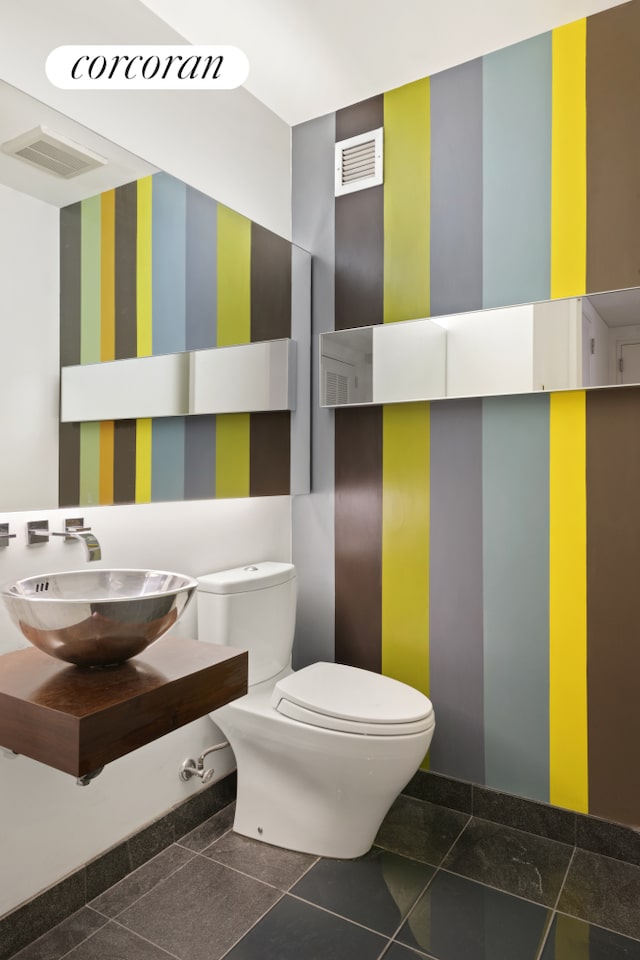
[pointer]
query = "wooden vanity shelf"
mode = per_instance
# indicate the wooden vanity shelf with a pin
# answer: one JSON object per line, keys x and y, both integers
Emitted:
{"x": 77, "y": 719}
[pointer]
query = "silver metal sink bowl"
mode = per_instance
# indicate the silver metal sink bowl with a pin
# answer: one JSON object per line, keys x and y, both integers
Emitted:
{"x": 97, "y": 618}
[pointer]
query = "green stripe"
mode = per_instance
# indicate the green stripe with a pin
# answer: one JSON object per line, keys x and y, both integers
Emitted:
{"x": 89, "y": 463}
{"x": 234, "y": 278}
{"x": 90, "y": 281}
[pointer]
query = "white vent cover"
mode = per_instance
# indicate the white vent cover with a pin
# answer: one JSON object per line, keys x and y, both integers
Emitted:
{"x": 359, "y": 162}
{"x": 336, "y": 388}
{"x": 49, "y": 151}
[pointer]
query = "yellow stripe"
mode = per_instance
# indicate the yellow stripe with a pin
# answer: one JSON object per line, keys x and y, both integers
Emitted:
{"x": 234, "y": 277}
{"x": 143, "y": 461}
{"x": 233, "y": 431}
{"x": 407, "y": 162}
{"x": 568, "y": 754}
{"x": 233, "y": 455}
{"x": 569, "y": 161}
{"x": 405, "y": 543}
{"x": 143, "y": 268}
{"x": 106, "y": 461}
{"x": 108, "y": 276}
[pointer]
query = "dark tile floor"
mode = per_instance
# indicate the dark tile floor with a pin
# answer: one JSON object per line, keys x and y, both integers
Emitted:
{"x": 438, "y": 883}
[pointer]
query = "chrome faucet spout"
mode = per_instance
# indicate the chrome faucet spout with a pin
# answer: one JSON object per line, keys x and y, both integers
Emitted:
{"x": 88, "y": 539}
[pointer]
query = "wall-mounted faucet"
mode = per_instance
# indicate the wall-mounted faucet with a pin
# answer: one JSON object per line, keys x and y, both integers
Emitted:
{"x": 74, "y": 529}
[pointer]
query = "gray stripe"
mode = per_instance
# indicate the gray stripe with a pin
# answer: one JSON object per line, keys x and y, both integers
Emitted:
{"x": 201, "y": 271}
{"x": 456, "y": 189}
{"x": 200, "y": 458}
{"x": 313, "y": 515}
{"x": 516, "y": 172}
{"x": 515, "y": 481}
{"x": 455, "y": 616}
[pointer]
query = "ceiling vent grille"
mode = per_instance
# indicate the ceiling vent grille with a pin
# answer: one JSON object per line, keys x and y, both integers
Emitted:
{"x": 359, "y": 162}
{"x": 50, "y": 152}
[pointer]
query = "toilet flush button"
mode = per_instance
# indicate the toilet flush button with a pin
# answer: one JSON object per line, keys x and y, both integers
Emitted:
{"x": 250, "y": 569}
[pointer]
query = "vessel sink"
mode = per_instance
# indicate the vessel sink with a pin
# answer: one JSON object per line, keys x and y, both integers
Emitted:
{"x": 97, "y": 618}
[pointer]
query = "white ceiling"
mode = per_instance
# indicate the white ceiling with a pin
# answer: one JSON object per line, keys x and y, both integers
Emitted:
{"x": 311, "y": 57}
{"x": 20, "y": 113}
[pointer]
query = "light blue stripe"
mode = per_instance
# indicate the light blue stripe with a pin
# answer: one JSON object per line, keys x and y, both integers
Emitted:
{"x": 515, "y": 478}
{"x": 169, "y": 221}
{"x": 516, "y": 163}
{"x": 167, "y": 458}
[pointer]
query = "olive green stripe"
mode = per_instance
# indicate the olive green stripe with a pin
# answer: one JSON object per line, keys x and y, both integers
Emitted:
{"x": 89, "y": 463}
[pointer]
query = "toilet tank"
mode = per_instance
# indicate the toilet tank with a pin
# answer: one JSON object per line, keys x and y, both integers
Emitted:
{"x": 252, "y": 608}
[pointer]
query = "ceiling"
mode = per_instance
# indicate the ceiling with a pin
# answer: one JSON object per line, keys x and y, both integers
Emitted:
{"x": 311, "y": 57}
{"x": 20, "y": 113}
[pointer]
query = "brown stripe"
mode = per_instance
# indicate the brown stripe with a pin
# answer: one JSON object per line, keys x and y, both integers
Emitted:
{"x": 70, "y": 285}
{"x": 270, "y": 285}
{"x": 124, "y": 461}
{"x": 125, "y": 269}
{"x": 270, "y": 454}
{"x": 358, "y": 536}
{"x": 360, "y": 118}
{"x": 613, "y": 562}
{"x": 359, "y": 258}
{"x": 69, "y": 465}
{"x": 613, "y": 148}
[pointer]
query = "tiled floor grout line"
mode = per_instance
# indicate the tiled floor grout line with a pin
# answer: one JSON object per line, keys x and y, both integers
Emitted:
{"x": 242, "y": 873}
{"x": 554, "y": 909}
{"x": 142, "y": 895}
{"x": 600, "y": 926}
{"x": 340, "y": 916}
{"x": 431, "y": 879}
{"x": 256, "y": 922}
{"x": 146, "y": 940}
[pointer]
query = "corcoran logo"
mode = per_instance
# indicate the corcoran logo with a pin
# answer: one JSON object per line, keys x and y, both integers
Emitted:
{"x": 147, "y": 67}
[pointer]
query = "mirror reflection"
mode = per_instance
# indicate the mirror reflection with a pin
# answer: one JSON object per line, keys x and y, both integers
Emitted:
{"x": 579, "y": 342}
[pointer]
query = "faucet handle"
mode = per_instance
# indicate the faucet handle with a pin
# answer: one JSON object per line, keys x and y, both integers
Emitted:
{"x": 75, "y": 525}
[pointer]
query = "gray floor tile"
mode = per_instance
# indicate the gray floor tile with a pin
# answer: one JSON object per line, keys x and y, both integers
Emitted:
{"x": 572, "y": 939}
{"x": 64, "y": 937}
{"x": 457, "y": 919}
{"x": 603, "y": 891}
{"x": 141, "y": 881}
{"x": 113, "y": 942}
{"x": 420, "y": 830}
{"x": 281, "y": 868}
{"x": 377, "y": 890}
{"x": 200, "y": 911}
{"x": 511, "y": 860}
{"x": 209, "y": 831}
{"x": 298, "y": 931}
{"x": 396, "y": 951}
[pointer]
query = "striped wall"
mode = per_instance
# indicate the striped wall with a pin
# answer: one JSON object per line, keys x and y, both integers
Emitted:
{"x": 156, "y": 267}
{"x": 486, "y": 550}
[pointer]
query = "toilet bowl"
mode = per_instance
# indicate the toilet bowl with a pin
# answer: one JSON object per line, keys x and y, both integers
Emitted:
{"x": 321, "y": 752}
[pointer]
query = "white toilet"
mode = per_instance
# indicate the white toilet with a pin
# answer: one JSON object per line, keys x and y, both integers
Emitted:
{"x": 322, "y": 752}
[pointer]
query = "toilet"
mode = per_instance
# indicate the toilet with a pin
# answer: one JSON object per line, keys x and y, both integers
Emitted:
{"x": 321, "y": 752}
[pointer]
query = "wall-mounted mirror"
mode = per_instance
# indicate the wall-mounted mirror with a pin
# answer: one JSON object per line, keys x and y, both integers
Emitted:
{"x": 58, "y": 236}
{"x": 590, "y": 341}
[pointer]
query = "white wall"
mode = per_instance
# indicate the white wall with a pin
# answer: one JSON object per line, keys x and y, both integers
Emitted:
{"x": 29, "y": 358}
{"x": 225, "y": 143}
{"x": 49, "y": 825}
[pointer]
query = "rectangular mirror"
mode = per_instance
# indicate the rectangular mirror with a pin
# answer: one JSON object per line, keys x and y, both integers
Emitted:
{"x": 578, "y": 342}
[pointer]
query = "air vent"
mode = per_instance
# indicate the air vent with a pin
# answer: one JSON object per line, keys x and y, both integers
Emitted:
{"x": 359, "y": 162}
{"x": 336, "y": 387}
{"x": 50, "y": 152}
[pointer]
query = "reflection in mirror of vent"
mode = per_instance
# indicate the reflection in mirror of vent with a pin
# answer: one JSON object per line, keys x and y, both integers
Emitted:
{"x": 359, "y": 162}
{"x": 53, "y": 153}
{"x": 336, "y": 388}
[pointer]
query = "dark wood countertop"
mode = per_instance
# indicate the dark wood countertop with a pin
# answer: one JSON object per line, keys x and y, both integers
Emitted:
{"x": 76, "y": 719}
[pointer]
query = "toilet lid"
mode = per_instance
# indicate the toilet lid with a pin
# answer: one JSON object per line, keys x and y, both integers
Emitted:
{"x": 339, "y": 697}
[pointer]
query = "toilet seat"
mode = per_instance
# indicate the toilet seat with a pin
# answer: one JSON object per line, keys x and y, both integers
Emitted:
{"x": 350, "y": 700}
